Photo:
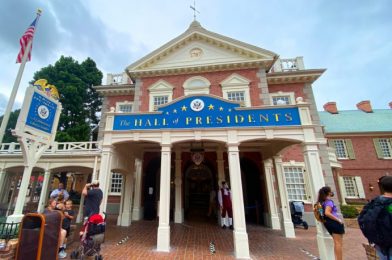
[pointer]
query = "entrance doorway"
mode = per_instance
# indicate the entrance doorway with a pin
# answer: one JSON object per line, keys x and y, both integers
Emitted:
{"x": 199, "y": 182}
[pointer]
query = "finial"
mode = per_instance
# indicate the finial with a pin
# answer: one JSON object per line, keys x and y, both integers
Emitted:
{"x": 39, "y": 11}
{"x": 194, "y": 10}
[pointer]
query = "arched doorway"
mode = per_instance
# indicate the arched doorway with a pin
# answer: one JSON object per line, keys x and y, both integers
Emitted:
{"x": 199, "y": 181}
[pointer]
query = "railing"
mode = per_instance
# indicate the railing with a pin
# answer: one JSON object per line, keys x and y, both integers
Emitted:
{"x": 63, "y": 147}
{"x": 283, "y": 65}
{"x": 118, "y": 79}
{"x": 9, "y": 231}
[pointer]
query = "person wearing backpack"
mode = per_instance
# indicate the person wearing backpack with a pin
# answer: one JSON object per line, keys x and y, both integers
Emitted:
{"x": 333, "y": 223}
{"x": 375, "y": 220}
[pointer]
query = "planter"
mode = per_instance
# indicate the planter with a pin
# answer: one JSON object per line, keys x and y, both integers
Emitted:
{"x": 370, "y": 252}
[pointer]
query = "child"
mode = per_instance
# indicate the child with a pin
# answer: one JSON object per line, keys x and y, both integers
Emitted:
{"x": 68, "y": 217}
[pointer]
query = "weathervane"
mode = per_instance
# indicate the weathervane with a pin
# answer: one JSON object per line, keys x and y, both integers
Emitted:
{"x": 194, "y": 10}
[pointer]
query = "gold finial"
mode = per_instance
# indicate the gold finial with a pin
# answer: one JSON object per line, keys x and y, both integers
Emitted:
{"x": 39, "y": 11}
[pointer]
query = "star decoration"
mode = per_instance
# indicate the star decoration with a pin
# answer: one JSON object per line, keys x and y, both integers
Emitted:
{"x": 210, "y": 107}
{"x": 175, "y": 111}
{"x": 221, "y": 109}
{"x": 183, "y": 108}
{"x": 167, "y": 113}
{"x": 229, "y": 110}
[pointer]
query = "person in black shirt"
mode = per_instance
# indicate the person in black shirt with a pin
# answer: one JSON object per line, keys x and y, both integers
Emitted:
{"x": 68, "y": 216}
{"x": 93, "y": 198}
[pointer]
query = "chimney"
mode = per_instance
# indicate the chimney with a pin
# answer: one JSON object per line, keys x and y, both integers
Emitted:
{"x": 331, "y": 107}
{"x": 390, "y": 105}
{"x": 365, "y": 106}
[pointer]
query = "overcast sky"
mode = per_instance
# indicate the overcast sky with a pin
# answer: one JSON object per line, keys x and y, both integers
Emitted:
{"x": 352, "y": 39}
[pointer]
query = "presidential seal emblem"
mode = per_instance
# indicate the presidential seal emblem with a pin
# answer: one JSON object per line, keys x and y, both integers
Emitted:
{"x": 43, "y": 112}
{"x": 197, "y": 105}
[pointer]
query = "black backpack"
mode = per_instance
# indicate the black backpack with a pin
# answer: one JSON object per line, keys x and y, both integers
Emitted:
{"x": 376, "y": 222}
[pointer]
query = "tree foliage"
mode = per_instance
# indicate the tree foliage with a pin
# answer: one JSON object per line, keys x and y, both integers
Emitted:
{"x": 80, "y": 101}
{"x": 8, "y": 137}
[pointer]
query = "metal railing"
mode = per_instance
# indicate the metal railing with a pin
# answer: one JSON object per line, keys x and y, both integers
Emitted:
{"x": 9, "y": 231}
{"x": 62, "y": 147}
{"x": 283, "y": 65}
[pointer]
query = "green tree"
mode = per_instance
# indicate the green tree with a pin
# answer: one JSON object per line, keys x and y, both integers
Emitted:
{"x": 80, "y": 101}
{"x": 8, "y": 137}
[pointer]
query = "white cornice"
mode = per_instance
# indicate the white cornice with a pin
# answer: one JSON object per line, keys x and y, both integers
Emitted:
{"x": 114, "y": 90}
{"x": 299, "y": 76}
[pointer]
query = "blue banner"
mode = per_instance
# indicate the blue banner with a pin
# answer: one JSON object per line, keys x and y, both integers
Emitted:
{"x": 41, "y": 114}
{"x": 207, "y": 112}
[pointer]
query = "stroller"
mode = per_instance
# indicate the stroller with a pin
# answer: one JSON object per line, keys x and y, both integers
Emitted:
{"x": 92, "y": 235}
{"x": 297, "y": 211}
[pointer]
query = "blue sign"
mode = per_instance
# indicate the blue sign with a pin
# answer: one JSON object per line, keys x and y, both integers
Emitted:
{"x": 42, "y": 113}
{"x": 207, "y": 112}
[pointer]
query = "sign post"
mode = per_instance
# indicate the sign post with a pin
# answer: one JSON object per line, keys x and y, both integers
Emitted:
{"x": 36, "y": 130}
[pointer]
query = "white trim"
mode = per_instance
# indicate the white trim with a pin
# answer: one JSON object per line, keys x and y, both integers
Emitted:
{"x": 110, "y": 185}
{"x": 122, "y": 103}
{"x": 236, "y": 83}
{"x": 160, "y": 88}
{"x": 200, "y": 89}
{"x": 306, "y": 181}
{"x": 360, "y": 189}
{"x": 284, "y": 94}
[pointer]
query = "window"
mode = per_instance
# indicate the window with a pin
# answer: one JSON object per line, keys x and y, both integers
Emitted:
{"x": 383, "y": 147}
{"x": 236, "y": 88}
{"x": 160, "y": 93}
{"x": 196, "y": 85}
{"x": 344, "y": 148}
{"x": 282, "y": 98}
{"x": 124, "y": 107}
{"x": 351, "y": 187}
{"x": 295, "y": 183}
{"x": 238, "y": 96}
{"x": 116, "y": 184}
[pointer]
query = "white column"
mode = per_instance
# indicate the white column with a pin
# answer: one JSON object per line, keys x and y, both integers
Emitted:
{"x": 6, "y": 188}
{"x": 241, "y": 243}
{"x": 3, "y": 180}
{"x": 14, "y": 181}
{"x": 137, "y": 211}
{"x": 163, "y": 237}
{"x": 79, "y": 218}
{"x": 21, "y": 199}
{"x": 44, "y": 191}
{"x": 288, "y": 226}
{"x": 221, "y": 166}
{"x": 104, "y": 174}
{"x": 178, "y": 212}
{"x": 128, "y": 191}
{"x": 270, "y": 183}
{"x": 94, "y": 175}
{"x": 315, "y": 175}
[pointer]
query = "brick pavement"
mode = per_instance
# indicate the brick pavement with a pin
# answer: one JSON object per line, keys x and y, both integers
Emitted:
{"x": 191, "y": 241}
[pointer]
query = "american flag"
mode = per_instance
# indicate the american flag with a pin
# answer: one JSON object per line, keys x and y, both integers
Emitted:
{"x": 24, "y": 41}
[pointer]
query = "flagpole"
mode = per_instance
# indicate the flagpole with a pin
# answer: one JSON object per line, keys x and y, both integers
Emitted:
{"x": 16, "y": 84}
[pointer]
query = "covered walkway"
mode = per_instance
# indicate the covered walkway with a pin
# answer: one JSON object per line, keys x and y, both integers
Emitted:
{"x": 191, "y": 241}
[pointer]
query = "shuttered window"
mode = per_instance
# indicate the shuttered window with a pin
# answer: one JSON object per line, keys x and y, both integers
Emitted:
{"x": 383, "y": 147}
{"x": 344, "y": 148}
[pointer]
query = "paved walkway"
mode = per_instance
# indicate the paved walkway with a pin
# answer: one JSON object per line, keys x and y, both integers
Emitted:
{"x": 191, "y": 241}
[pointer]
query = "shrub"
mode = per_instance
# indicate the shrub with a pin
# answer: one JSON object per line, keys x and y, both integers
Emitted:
{"x": 349, "y": 211}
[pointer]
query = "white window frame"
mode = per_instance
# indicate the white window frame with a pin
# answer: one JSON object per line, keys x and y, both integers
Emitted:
{"x": 236, "y": 83}
{"x": 160, "y": 88}
{"x": 202, "y": 86}
{"x": 294, "y": 164}
{"x": 114, "y": 175}
{"x": 344, "y": 148}
{"x": 289, "y": 95}
{"x": 358, "y": 186}
{"x": 379, "y": 148}
{"x": 124, "y": 103}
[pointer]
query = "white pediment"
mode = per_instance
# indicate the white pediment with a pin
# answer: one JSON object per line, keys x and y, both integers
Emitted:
{"x": 199, "y": 48}
{"x": 161, "y": 86}
{"x": 235, "y": 80}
